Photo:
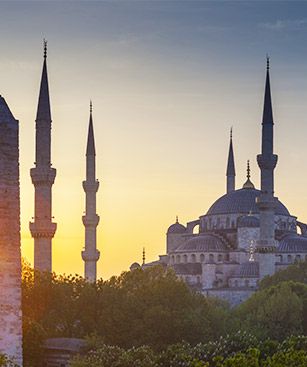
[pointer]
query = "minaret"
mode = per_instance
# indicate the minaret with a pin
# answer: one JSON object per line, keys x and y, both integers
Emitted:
{"x": 10, "y": 258}
{"x": 266, "y": 202}
{"x": 90, "y": 255}
{"x": 231, "y": 172}
{"x": 42, "y": 175}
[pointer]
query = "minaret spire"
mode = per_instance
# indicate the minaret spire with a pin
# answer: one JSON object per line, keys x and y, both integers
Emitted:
{"x": 230, "y": 172}
{"x": 266, "y": 202}
{"x": 43, "y": 176}
{"x": 90, "y": 255}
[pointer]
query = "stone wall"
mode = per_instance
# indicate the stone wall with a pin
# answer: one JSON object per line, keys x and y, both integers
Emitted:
{"x": 10, "y": 262}
{"x": 233, "y": 296}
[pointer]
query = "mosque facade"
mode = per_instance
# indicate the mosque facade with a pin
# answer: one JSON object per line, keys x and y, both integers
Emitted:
{"x": 245, "y": 235}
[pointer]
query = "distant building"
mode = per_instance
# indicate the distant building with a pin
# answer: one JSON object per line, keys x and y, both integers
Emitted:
{"x": 58, "y": 351}
{"x": 245, "y": 235}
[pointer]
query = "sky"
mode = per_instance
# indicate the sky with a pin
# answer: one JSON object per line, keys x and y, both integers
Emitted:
{"x": 168, "y": 79}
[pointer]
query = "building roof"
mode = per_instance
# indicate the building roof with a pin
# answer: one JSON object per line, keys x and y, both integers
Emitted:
{"x": 204, "y": 242}
{"x": 6, "y": 115}
{"x": 188, "y": 269}
{"x": 65, "y": 344}
{"x": 293, "y": 243}
{"x": 248, "y": 221}
{"x": 249, "y": 269}
{"x": 242, "y": 201}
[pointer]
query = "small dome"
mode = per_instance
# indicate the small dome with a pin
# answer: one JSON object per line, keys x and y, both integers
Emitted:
{"x": 135, "y": 266}
{"x": 242, "y": 201}
{"x": 249, "y": 269}
{"x": 293, "y": 243}
{"x": 206, "y": 242}
{"x": 176, "y": 228}
{"x": 248, "y": 221}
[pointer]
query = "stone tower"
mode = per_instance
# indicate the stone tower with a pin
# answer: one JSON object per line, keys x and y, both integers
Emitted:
{"x": 266, "y": 202}
{"x": 43, "y": 175}
{"x": 231, "y": 172}
{"x": 90, "y": 254}
{"x": 10, "y": 263}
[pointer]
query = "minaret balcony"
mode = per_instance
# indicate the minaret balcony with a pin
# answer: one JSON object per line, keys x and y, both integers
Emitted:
{"x": 43, "y": 175}
{"x": 45, "y": 230}
{"x": 267, "y": 161}
{"x": 90, "y": 186}
{"x": 90, "y": 255}
{"x": 90, "y": 220}
{"x": 266, "y": 202}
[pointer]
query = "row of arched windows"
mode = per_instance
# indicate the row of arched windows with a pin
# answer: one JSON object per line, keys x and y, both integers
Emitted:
{"x": 291, "y": 258}
{"x": 193, "y": 258}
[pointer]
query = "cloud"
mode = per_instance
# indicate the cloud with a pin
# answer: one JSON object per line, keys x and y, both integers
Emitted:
{"x": 281, "y": 25}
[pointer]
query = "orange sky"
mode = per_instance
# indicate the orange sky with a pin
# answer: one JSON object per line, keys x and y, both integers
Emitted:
{"x": 166, "y": 85}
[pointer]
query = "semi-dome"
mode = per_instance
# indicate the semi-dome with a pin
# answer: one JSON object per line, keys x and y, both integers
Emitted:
{"x": 249, "y": 269}
{"x": 176, "y": 228}
{"x": 248, "y": 221}
{"x": 293, "y": 243}
{"x": 241, "y": 201}
{"x": 205, "y": 242}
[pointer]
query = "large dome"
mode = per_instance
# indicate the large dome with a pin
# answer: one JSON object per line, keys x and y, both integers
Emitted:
{"x": 242, "y": 201}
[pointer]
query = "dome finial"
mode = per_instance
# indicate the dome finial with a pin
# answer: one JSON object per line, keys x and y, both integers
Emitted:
{"x": 45, "y": 48}
{"x": 144, "y": 257}
{"x": 248, "y": 184}
{"x": 177, "y": 219}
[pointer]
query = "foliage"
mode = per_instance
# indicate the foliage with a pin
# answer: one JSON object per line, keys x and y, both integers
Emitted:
{"x": 143, "y": 307}
{"x": 6, "y": 362}
{"x": 276, "y": 312}
{"x": 296, "y": 272}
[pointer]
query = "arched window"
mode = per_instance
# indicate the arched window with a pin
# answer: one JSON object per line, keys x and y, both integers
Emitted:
{"x": 246, "y": 283}
{"x": 281, "y": 259}
{"x": 202, "y": 258}
{"x": 289, "y": 259}
{"x": 227, "y": 258}
{"x": 218, "y": 222}
{"x": 227, "y": 222}
{"x": 298, "y": 258}
{"x": 178, "y": 259}
{"x": 193, "y": 258}
{"x": 172, "y": 259}
{"x": 220, "y": 257}
{"x": 236, "y": 283}
{"x": 211, "y": 258}
{"x": 185, "y": 258}
{"x": 198, "y": 279}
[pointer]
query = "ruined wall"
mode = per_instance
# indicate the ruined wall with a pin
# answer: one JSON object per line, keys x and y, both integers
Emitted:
{"x": 10, "y": 267}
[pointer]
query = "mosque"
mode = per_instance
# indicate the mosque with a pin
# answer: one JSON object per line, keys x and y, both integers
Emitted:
{"x": 245, "y": 235}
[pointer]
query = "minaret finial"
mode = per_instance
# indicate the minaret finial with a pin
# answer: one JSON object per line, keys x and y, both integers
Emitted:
{"x": 267, "y": 62}
{"x": 231, "y": 133}
{"x": 176, "y": 218}
{"x": 144, "y": 257}
{"x": 45, "y": 49}
{"x": 91, "y": 107}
